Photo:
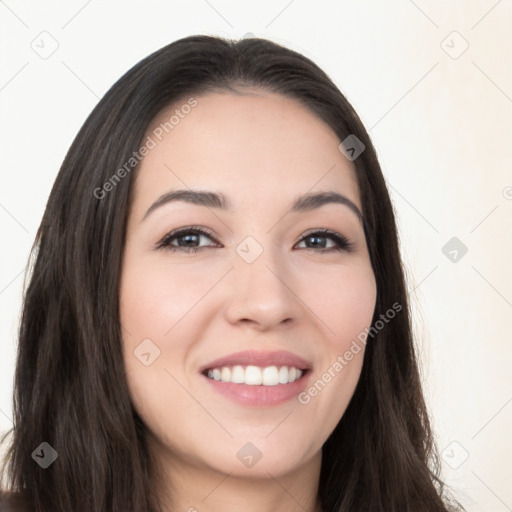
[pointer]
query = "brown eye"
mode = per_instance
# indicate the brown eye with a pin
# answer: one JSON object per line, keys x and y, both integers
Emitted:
{"x": 188, "y": 240}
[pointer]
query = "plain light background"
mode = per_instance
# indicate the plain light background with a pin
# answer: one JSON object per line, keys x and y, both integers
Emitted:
{"x": 432, "y": 83}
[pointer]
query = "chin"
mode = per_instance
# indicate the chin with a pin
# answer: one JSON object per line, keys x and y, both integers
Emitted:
{"x": 259, "y": 459}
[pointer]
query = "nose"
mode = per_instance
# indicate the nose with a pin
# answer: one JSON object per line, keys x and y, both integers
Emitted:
{"x": 263, "y": 293}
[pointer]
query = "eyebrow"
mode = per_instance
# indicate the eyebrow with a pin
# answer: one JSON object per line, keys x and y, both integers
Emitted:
{"x": 303, "y": 203}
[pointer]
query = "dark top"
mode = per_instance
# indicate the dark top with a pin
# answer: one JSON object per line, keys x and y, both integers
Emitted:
{"x": 13, "y": 502}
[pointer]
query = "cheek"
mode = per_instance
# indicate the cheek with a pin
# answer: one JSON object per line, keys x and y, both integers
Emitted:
{"x": 155, "y": 304}
{"x": 342, "y": 299}
{"x": 162, "y": 316}
{"x": 153, "y": 299}
{"x": 344, "y": 302}
{"x": 150, "y": 300}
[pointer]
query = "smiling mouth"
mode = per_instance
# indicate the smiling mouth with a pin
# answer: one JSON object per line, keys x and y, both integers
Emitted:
{"x": 250, "y": 375}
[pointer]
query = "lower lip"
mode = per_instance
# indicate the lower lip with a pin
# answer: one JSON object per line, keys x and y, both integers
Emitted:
{"x": 259, "y": 395}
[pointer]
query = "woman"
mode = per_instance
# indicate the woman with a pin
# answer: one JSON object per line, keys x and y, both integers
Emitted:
{"x": 217, "y": 316}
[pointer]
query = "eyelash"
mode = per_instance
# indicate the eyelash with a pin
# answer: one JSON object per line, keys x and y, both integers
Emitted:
{"x": 343, "y": 244}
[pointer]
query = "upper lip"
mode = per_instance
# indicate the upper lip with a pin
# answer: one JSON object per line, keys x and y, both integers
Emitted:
{"x": 259, "y": 358}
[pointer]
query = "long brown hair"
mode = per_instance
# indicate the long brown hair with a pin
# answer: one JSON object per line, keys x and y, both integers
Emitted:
{"x": 70, "y": 389}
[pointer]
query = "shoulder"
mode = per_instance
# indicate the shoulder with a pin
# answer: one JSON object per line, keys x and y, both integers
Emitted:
{"x": 13, "y": 502}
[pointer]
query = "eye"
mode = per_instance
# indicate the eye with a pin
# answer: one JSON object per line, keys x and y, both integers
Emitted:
{"x": 188, "y": 239}
{"x": 341, "y": 243}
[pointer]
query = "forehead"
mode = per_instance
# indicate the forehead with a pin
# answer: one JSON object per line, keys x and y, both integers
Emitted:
{"x": 250, "y": 146}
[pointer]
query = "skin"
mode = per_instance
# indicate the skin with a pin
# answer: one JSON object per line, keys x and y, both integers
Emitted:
{"x": 261, "y": 150}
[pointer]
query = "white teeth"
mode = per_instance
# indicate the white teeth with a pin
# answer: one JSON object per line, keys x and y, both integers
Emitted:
{"x": 270, "y": 376}
{"x": 283, "y": 375}
{"x": 225, "y": 375}
{"x": 237, "y": 375}
{"x": 254, "y": 375}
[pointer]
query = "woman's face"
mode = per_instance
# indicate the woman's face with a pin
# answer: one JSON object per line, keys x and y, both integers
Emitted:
{"x": 262, "y": 280}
